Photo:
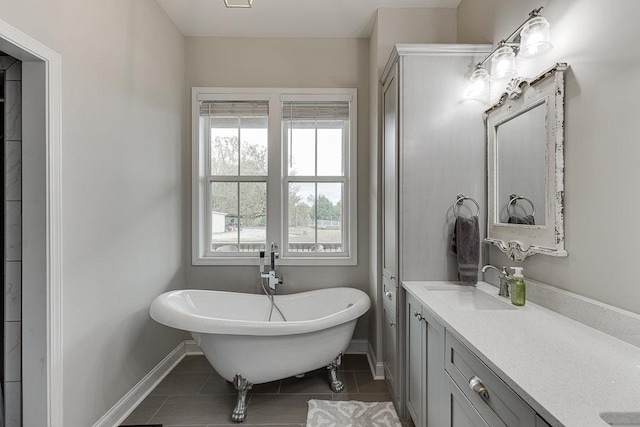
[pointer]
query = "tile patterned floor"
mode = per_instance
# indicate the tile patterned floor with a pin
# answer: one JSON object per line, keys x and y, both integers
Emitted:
{"x": 194, "y": 395}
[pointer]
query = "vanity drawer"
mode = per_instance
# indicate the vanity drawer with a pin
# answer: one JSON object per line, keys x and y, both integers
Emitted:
{"x": 389, "y": 294}
{"x": 492, "y": 398}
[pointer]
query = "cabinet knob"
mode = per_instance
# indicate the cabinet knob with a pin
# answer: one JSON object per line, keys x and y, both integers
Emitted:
{"x": 476, "y": 385}
{"x": 392, "y": 323}
{"x": 392, "y": 277}
{"x": 389, "y": 295}
{"x": 419, "y": 316}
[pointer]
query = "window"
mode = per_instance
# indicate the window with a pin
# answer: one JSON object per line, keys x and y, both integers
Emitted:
{"x": 274, "y": 165}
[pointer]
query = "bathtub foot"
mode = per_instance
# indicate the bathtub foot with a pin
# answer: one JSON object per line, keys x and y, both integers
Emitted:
{"x": 243, "y": 386}
{"x": 336, "y": 385}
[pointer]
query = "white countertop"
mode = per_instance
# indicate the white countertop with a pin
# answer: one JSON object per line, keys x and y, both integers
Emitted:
{"x": 567, "y": 372}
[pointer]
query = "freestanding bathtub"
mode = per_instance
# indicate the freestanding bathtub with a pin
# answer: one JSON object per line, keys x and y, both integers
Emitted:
{"x": 244, "y": 347}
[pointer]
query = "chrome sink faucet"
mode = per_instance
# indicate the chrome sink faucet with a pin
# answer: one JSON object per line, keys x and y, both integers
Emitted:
{"x": 504, "y": 279}
{"x": 271, "y": 277}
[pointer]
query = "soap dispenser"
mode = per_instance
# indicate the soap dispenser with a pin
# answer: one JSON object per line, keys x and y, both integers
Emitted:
{"x": 518, "y": 288}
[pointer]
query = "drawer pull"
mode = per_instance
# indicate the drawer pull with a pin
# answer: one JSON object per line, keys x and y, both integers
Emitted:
{"x": 476, "y": 385}
{"x": 419, "y": 316}
{"x": 389, "y": 295}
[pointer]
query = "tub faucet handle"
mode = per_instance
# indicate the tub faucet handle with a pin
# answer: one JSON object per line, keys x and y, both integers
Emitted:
{"x": 274, "y": 255}
{"x": 274, "y": 280}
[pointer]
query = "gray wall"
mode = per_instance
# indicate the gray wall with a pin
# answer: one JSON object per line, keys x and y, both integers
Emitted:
{"x": 250, "y": 62}
{"x": 122, "y": 182}
{"x": 601, "y": 149}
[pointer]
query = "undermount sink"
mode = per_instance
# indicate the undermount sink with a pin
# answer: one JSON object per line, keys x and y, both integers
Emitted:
{"x": 621, "y": 419}
{"x": 461, "y": 297}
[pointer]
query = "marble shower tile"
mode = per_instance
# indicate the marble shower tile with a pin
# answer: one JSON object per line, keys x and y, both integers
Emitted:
{"x": 14, "y": 72}
{"x": 13, "y": 348}
{"x": 6, "y": 62}
{"x": 13, "y": 111}
{"x": 13, "y": 291}
{"x": 13, "y": 171}
{"x": 13, "y": 404}
{"x": 13, "y": 229}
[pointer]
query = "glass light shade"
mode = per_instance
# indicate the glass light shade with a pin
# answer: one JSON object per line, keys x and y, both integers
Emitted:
{"x": 241, "y": 4}
{"x": 478, "y": 84}
{"x": 534, "y": 38}
{"x": 503, "y": 64}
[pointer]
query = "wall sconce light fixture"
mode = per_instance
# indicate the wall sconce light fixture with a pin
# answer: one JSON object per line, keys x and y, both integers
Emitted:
{"x": 238, "y": 4}
{"x": 478, "y": 88}
{"x": 529, "y": 40}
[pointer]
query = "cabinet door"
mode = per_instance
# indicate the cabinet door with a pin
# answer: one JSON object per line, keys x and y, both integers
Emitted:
{"x": 416, "y": 364}
{"x": 435, "y": 366}
{"x": 390, "y": 295}
{"x": 390, "y": 347}
{"x": 459, "y": 411}
{"x": 390, "y": 179}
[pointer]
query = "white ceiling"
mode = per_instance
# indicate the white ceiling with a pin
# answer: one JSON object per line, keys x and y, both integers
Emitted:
{"x": 284, "y": 18}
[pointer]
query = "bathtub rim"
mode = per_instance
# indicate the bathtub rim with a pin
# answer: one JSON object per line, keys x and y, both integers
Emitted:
{"x": 163, "y": 312}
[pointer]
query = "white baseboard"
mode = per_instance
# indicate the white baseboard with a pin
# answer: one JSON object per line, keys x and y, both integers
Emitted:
{"x": 364, "y": 347}
{"x": 130, "y": 401}
{"x": 191, "y": 348}
{"x": 377, "y": 368}
{"x": 357, "y": 347}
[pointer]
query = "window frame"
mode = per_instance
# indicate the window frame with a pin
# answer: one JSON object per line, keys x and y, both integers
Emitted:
{"x": 277, "y": 178}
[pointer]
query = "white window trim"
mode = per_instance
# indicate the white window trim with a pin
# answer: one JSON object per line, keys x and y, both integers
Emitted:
{"x": 276, "y": 184}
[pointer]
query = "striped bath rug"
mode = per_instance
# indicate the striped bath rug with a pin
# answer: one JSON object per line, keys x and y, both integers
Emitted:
{"x": 329, "y": 413}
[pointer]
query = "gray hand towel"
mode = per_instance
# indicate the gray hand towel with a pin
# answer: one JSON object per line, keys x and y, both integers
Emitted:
{"x": 465, "y": 244}
{"x": 526, "y": 220}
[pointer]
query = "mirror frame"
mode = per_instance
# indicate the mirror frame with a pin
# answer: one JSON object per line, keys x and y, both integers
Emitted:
{"x": 516, "y": 240}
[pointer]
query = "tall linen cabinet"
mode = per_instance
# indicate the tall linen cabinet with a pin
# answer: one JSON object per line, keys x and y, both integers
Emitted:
{"x": 433, "y": 150}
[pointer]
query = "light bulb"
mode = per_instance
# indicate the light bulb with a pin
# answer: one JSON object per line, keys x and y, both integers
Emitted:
{"x": 534, "y": 38}
{"x": 503, "y": 64}
{"x": 478, "y": 87}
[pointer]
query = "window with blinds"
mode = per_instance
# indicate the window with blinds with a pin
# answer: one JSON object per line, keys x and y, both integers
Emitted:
{"x": 316, "y": 135}
{"x": 237, "y": 173}
{"x": 255, "y": 182}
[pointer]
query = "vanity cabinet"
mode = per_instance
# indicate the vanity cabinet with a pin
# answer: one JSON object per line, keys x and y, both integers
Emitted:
{"x": 432, "y": 150}
{"x": 447, "y": 384}
{"x": 425, "y": 365}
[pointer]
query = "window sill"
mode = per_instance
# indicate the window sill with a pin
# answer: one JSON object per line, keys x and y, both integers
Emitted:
{"x": 289, "y": 261}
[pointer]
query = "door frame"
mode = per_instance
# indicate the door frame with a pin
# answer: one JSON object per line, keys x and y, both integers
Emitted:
{"x": 42, "y": 224}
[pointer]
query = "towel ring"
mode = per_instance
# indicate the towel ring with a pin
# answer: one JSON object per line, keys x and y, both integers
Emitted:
{"x": 513, "y": 199}
{"x": 459, "y": 200}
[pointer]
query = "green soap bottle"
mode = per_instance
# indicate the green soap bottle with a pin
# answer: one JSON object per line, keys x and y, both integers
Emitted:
{"x": 518, "y": 288}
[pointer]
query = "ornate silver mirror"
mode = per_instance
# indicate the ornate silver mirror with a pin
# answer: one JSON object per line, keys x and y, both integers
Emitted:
{"x": 525, "y": 134}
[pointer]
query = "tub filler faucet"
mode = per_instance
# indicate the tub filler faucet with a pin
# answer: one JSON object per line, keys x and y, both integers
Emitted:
{"x": 271, "y": 277}
{"x": 504, "y": 279}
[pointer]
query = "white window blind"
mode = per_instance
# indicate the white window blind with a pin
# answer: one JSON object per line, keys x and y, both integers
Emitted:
{"x": 234, "y": 108}
{"x": 320, "y": 110}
